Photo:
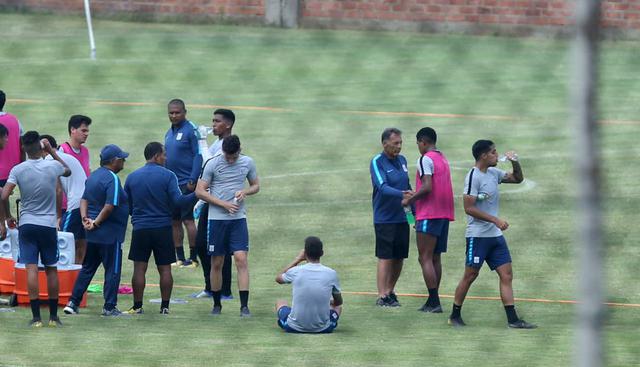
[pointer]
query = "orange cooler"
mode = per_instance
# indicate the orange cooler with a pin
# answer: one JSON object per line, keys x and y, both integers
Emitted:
{"x": 66, "y": 276}
{"x": 7, "y": 277}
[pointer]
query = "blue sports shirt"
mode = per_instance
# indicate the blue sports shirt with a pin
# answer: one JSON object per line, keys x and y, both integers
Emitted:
{"x": 183, "y": 153}
{"x": 103, "y": 187}
{"x": 153, "y": 193}
{"x": 389, "y": 178}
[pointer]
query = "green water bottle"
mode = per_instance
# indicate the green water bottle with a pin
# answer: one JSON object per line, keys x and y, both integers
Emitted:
{"x": 410, "y": 218}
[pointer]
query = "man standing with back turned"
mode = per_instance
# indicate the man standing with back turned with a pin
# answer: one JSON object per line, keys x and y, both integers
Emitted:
{"x": 484, "y": 229}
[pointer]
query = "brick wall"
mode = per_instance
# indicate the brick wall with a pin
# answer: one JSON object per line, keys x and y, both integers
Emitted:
{"x": 528, "y": 15}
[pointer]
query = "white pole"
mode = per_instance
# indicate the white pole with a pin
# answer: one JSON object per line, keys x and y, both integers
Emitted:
{"x": 92, "y": 43}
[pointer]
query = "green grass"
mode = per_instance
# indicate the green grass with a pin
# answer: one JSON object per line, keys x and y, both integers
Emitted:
{"x": 313, "y": 162}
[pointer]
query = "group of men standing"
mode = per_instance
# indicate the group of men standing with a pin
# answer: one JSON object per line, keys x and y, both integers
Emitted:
{"x": 430, "y": 208}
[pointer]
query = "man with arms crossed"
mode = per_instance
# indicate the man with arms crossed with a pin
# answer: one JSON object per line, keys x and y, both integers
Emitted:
{"x": 222, "y": 186}
{"x": 484, "y": 229}
{"x": 434, "y": 209}
{"x": 105, "y": 212}
{"x": 391, "y": 185}
{"x": 317, "y": 301}
{"x": 153, "y": 194}
{"x": 37, "y": 179}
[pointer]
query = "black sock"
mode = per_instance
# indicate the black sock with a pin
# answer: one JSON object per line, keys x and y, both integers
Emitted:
{"x": 193, "y": 254}
{"x": 434, "y": 298}
{"x": 512, "y": 316}
{"x": 244, "y": 298}
{"x": 216, "y": 298}
{"x": 455, "y": 312}
{"x": 53, "y": 308}
{"x": 137, "y": 305}
{"x": 35, "y": 308}
{"x": 180, "y": 253}
{"x": 164, "y": 304}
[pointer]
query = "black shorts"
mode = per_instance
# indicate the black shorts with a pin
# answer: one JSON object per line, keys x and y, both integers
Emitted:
{"x": 156, "y": 240}
{"x": 184, "y": 212}
{"x": 392, "y": 240}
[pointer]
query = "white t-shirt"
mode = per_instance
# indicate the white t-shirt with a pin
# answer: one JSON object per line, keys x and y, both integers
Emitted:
{"x": 73, "y": 185}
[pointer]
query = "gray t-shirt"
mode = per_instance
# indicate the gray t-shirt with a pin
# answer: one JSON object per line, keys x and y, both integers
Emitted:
{"x": 37, "y": 179}
{"x": 313, "y": 285}
{"x": 216, "y": 147}
{"x": 486, "y": 183}
{"x": 225, "y": 180}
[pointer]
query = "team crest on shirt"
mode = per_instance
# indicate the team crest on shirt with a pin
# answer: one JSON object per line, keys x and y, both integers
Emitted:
{"x": 179, "y": 136}
{"x": 404, "y": 168}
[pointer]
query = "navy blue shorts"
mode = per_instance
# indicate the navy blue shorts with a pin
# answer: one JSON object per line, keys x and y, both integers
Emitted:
{"x": 38, "y": 241}
{"x": 184, "y": 212}
{"x": 437, "y": 228}
{"x": 227, "y": 236}
{"x": 493, "y": 250}
{"x": 72, "y": 222}
{"x": 283, "y": 315}
{"x": 158, "y": 241}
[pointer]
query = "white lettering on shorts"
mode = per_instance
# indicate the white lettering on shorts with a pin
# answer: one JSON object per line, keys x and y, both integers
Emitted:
{"x": 212, "y": 248}
{"x": 476, "y": 259}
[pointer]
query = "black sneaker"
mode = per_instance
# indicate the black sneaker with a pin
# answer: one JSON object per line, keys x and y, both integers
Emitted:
{"x": 521, "y": 324}
{"x": 71, "y": 309}
{"x": 387, "y": 301}
{"x": 431, "y": 309}
{"x": 217, "y": 310}
{"x": 456, "y": 322}
{"x": 392, "y": 302}
{"x": 164, "y": 311}
{"x": 393, "y": 296}
{"x": 244, "y": 312}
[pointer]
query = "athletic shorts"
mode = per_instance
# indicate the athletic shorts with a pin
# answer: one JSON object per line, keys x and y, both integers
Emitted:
{"x": 184, "y": 212}
{"x": 227, "y": 236}
{"x": 392, "y": 240}
{"x": 437, "y": 228}
{"x": 493, "y": 250}
{"x": 283, "y": 316}
{"x": 72, "y": 222}
{"x": 38, "y": 241}
{"x": 156, "y": 240}
{"x": 3, "y": 182}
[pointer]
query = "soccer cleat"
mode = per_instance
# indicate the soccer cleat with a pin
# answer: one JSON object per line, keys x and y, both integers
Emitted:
{"x": 226, "y": 298}
{"x": 387, "y": 301}
{"x": 164, "y": 311}
{"x": 394, "y": 297}
{"x": 71, "y": 309}
{"x": 35, "y": 323}
{"x": 177, "y": 263}
{"x": 202, "y": 294}
{"x": 217, "y": 310}
{"x": 188, "y": 263}
{"x": 430, "y": 309}
{"x": 55, "y": 322}
{"x": 521, "y": 324}
{"x": 456, "y": 322}
{"x": 114, "y": 312}
{"x": 381, "y": 302}
{"x": 135, "y": 311}
{"x": 244, "y": 312}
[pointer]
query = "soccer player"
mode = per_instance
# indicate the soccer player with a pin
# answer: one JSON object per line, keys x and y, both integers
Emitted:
{"x": 434, "y": 209}
{"x": 223, "y": 121}
{"x": 73, "y": 188}
{"x": 105, "y": 212}
{"x": 37, "y": 178}
{"x": 153, "y": 194}
{"x": 222, "y": 186}
{"x": 484, "y": 229}
{"x": 78, "y": 128}
{"x": 11, "y": 154}
{"x": 317, "y": 301}
{"x": 391, "y": 185}
{"x": 185, "y": 160}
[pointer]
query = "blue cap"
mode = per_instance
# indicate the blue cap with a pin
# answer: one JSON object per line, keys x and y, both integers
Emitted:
{"x": 112, "y": 151}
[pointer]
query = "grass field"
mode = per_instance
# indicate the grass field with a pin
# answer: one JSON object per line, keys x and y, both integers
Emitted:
{"x": 311, "y": 106}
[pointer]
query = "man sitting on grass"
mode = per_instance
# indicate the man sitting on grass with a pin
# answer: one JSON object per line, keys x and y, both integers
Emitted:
{"x": 317, "y": 302}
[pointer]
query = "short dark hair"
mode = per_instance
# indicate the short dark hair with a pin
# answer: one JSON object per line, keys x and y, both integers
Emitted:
{"x": 31, "y": 142}
{"x": 480, "y": 147}
{"x": 228, "y": 115}
{"x": 231, "y": 144}
{"x": 152, "y": 149}
{"x": 51, "y": 140}
{"x": 386, "y": 134}
{"x": 427, "y": 135}
{"x": 313, "y": 248}
{"x": 3, "y": 99}
{"x": 77, "y": 120}
{"x": 3, "y": 131}
{"x": 178, "y": 102}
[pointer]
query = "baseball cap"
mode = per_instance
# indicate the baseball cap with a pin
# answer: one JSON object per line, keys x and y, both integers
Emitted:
{"x": 112, "y": 151}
